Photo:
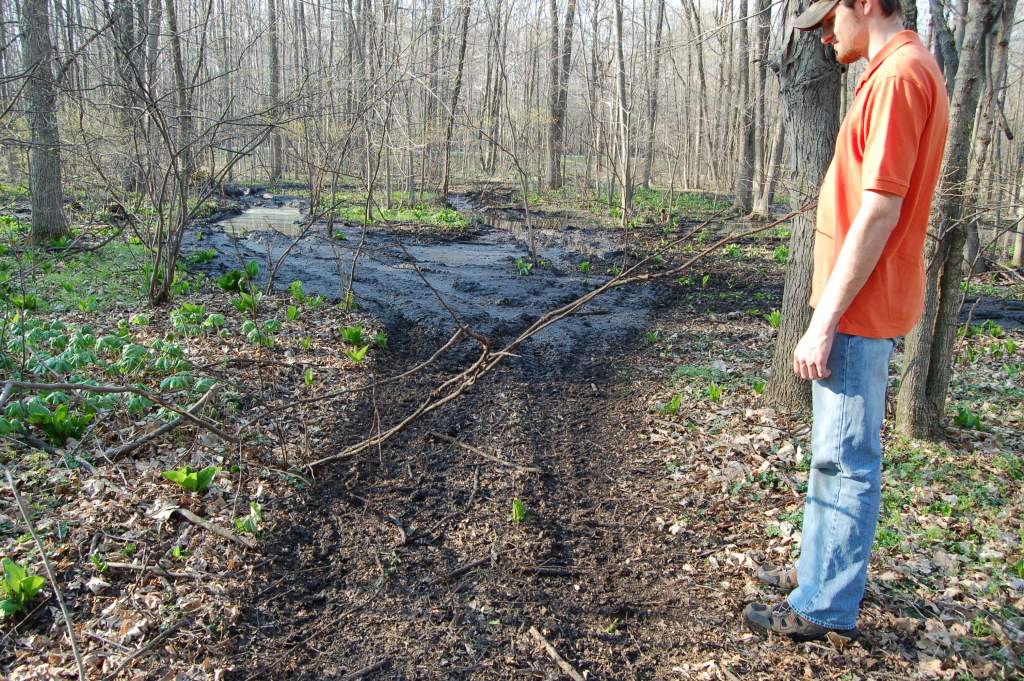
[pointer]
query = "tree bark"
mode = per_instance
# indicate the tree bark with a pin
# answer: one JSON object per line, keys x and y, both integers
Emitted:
{"x": 558, "y": 90}
{"x": 48, "y": 219}
{"x": 991, "y": 109}
{"x": 276, "y": 142}
{"x": 767, "y": 194}
{"x": 945, "y": 45}
{"x": 455, "y": 100}
{"x": 626, "y": 175}
{"x": 762, "y": 36}
{"x": 809, "y": 86}
{"x": 652, "y": 96}
{"x": 743, "y": 187}
{"x": 920, "y": 410}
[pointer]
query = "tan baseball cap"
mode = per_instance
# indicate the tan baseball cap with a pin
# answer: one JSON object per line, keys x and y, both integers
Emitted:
{"x": 811, "y": 17}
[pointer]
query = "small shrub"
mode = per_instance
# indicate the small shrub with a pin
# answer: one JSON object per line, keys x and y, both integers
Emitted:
{"x": 524, "y": 267}
{"x": 714, "y": 392}
{"x": 18, "y": 587}
{"x": 202, "y": 257}
{"x": 672, "y": 406}
{"x": 250, "y": 524}
{"x": 357, "y": 355}
{"x": 781, "y": 255}
{"x": 190, "y": 480}
{"x": 518, "y": 511}
{"x": 774, "y": 318}
{"x": 352, "y": 335}
{"x": 585, "y": 267}
{"x": 966, "y": 419}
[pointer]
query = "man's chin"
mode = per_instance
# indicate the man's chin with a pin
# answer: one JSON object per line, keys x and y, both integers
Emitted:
{"x": 845, "y": 57}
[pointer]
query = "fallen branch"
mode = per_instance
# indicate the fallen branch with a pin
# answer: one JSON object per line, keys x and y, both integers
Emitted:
{"x": 127, "y": 447}
{"x": 360, "y": 673}
{"x": 49, "y": 573}
{"x": 459, "y": 571}
{"x": 220, "y": 531}
{"x": 11, "y": 387}
{"x": 481, "y": 453}
{"x": 566, "y": 668}
{"x": 144, "y": 649}
{"x": 157, "y": 570}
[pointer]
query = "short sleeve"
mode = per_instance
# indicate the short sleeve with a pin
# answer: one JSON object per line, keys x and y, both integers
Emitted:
{"x": 897, "y": 112}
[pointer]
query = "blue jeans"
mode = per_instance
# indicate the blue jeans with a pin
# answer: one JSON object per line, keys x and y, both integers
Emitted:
{"x": 844, "y": 487}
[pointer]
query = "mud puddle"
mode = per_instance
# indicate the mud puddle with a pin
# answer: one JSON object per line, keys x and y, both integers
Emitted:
{"x": 477, "y": 277}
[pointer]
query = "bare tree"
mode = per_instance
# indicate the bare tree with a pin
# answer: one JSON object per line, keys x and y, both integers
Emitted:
{"x": 744, "y": 185}
{"x": 48, "y": 221}
{"x": 928, "y": 356}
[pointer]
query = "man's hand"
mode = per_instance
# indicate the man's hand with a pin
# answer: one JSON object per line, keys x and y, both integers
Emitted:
{"x": 810, "y": 358}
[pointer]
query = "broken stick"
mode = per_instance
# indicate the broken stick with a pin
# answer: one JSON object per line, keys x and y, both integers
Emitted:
{"x": 567, "y": 668}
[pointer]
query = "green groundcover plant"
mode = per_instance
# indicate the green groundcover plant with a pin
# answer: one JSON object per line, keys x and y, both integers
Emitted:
{"x": 18, "y": 587}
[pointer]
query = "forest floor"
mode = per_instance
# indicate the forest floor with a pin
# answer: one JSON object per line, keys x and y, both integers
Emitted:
{"x": 604, "y": 496}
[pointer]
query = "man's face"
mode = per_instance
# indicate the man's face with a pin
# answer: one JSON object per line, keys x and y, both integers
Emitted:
{"x": 845, "y": 29}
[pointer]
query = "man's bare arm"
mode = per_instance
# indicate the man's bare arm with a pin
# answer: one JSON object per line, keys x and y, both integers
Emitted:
{"x": 861, "y": 250}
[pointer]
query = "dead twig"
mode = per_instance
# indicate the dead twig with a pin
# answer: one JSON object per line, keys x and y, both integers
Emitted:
{"x": 566, "y": 668}
{"x": 49, "y": 573}
{"x": 220, "y": 531}
{"x": 459, "y": 571}
{"x": 127, "y": 447}
{"x": 481, "y": 453}
{"x": 145, "y": 649}
{"x": 360, "y": 673}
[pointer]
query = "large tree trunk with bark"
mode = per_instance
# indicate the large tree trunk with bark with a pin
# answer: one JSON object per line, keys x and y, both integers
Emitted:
{"x": 626, "y": 203}
{"x": 276, "y": 143}
{"x": 945, "y": 44}
{"x": 809, "y": 84}
{"x": 920, "y": 410}
{"x": 455, "y": 100}
{"x": 652, "y": 96}
{"x": 48, "y": 220}
{"x": 560, "y": 55}
{"x": 743, "y": 187}
{"x": 997, "y": 43}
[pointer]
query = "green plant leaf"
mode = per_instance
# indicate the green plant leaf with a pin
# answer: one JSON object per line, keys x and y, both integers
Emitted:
{"x": 205, "y": 477}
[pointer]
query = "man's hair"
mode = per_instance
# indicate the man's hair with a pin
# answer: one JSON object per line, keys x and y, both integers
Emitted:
{"x": 889, "y": 7}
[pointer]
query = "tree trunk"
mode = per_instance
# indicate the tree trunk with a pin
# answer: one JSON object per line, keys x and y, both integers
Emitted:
{"x": 767, "y": 195}
{"x": 48, "y": 220}
{"x": 560, "y": 55}
{"x": 455, "y": 100}
{"x": 627, "y": 179}
{"x": 910, "y": 15}
{"x": 652, "y": 96}
{"x": 743, "y": 186}
{"x": 762, "y": 27}
{"x": 276, "y": 143}
{"x": 809, "y": 86}
{"x": 945, "y": 45}
{"x": 991, "y": 108}
{"x": 182, "y": 103}
{"x": 920, "y": 410}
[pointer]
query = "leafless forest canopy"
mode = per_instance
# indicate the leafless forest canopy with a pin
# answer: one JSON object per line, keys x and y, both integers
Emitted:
{"x": 369, "y": 91}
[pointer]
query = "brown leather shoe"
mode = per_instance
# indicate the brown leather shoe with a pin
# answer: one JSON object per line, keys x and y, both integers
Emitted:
{"x": 781, "y": 619}
{"x": 777, "y": 577}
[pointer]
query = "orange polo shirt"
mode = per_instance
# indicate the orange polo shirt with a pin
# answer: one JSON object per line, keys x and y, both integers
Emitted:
{"x": 891, "y": 141}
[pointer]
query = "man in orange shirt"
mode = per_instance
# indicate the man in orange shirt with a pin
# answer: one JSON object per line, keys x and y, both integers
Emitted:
{"x": 868, "y": 288}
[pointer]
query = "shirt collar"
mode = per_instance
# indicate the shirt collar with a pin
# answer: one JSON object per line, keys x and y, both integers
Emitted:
{"x": 895, "y": 43}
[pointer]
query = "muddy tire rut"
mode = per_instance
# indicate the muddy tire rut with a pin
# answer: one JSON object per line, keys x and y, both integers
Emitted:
{"x": 408, "y": 558}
